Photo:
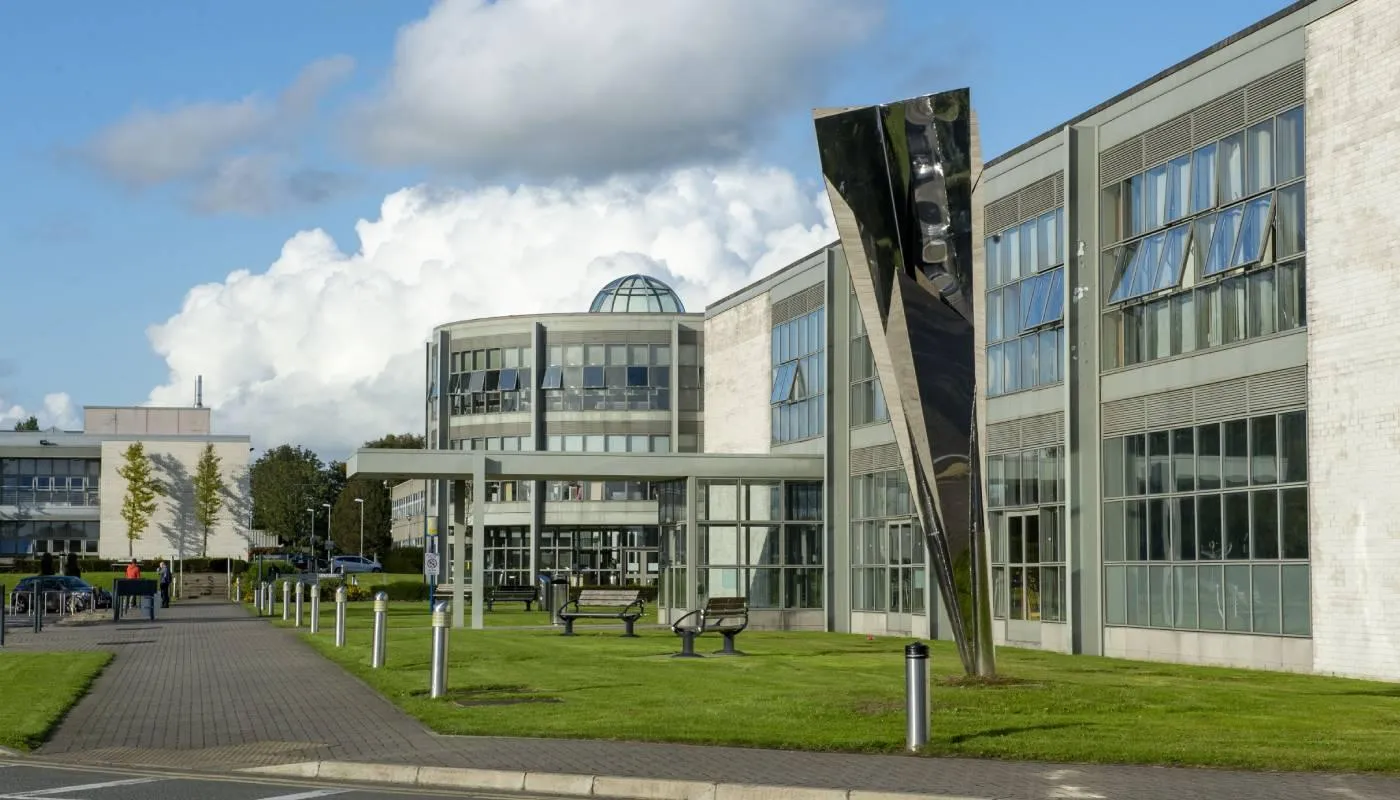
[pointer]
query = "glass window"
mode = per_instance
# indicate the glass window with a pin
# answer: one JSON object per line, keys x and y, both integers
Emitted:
{"x": 1289, "y": 235}
{"x": 1178, "y": 187}
{"x": 991, "y": 255}
{"x": 784, "y": 378}
{"x": 1292, "y": 301}
{"x": 1203, "y": 179}
{"x": 1184, "y": 528}
{"x": 1009, "y": 255}
{"x": 1150, "y": 256}
{"x": 1296, "y": 599}
{"x": 1231, "y": 167}
{"x": 1055, "y": 297}
{"x": 1254, "y": 229}
{"x": 1114, "y": 467}
{"x": 1232, "y": 309}
{"x": 1126, "y": 258}
{"x": 509, "y": 380}
{"x": 1209, "y": 534}
{"x": 1208, "y": 472}
{"x": 1261, "y": 156}
{"x": 993, "y": 320}
{"x": 1050, "y": 355}
{"x": 1290, "y": 147}
{"x": 1222, "y": 243}
{"x": 1236, "y": 521}
{"x": 1263, "y": 304}
{"x": 1137, "y": 205}
{"x": 1030, "y": 236}
{"x": 593, "y": 378}
{"x": 1173, "y": 260}
{"x": 1293, "y": 522}
{"x": 1050, "y": 239}
{"x": 1157, "y": 192}
{"x": 1264, "y": 516}
{"x": 1183, "y": 323}
{"x": 1236, "y": 450}
{"x": 1184, "y": 459}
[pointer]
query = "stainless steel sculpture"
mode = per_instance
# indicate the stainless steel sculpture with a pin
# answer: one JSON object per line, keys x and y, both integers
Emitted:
{"x": 900, "y": 178}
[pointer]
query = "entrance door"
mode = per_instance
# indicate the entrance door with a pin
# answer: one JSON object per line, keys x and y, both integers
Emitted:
{"x": 906, "y": 570}
{"x": 1023, "y": 577}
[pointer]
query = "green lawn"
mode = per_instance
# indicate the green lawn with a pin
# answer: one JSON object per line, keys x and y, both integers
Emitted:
{"x": 37, "y": 689}
{"x": 819, "y": 691}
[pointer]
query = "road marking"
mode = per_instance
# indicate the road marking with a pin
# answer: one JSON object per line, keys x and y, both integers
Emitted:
{"x": 85, "y": 787}
{"x": 307, "y": 795}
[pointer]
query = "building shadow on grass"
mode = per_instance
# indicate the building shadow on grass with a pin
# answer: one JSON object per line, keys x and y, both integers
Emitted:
{"x": 995, "y": 733}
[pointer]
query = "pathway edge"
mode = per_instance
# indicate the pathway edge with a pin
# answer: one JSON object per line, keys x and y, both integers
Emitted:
{"x": 568, "y": 784}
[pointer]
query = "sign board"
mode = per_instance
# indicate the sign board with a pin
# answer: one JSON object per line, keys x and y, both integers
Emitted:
{"x": 430, "y": 564}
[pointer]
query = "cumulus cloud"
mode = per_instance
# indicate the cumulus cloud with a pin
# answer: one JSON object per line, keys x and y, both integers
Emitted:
{"x": 543, "y": 88}
{"x": 325, "y": 347}
{"x": 58, "y": 411}
{"x": 222, "y": 148}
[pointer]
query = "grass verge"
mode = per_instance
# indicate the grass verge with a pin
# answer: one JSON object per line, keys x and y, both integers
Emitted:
{"x": 836, "y": 692}
{"x": 37, "y": 689}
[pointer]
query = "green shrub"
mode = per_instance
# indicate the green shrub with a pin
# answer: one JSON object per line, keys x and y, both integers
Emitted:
{"x": 403, "y": 560}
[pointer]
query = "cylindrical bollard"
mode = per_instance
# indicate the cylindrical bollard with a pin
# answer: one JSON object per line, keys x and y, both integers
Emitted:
{"x": 381, "y": 612}
{"x": 267, "y": 598}
{"x": 439, "y": 670}
{"x": 340, "y": 599}
{"x": 38, "y": 607}
{"x": 315, "y": 590}
{"x": 916, "y": 694}
{"x": 300, "y": 592}
{"x": 238, "y": 590}
{"x": 286, "y": 600}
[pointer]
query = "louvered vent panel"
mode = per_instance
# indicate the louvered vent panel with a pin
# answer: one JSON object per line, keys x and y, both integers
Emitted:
{"x": 691, "y": 335}
{"x": 1217, "y": 118}
{"x": 1167, "y": 140}
{"x": 1046, "y": 430}
{"x": 1120, "y": 161}
{"x": 604, "y": 427}
{"x": 1274, "y": 93}
{"x": 1282, "y": 389}
{"x": 1168, "y": 409}
{"x": 1000, "y": 214}
{"x": 1123, "y": 416}
{"x": 497, "y": 340}
{"x": 1004, "y": 436}
{"x": 804, "y": 302}
{"x": 608, "y": 337}
{"x": 878, "y": 458}
{"x": 1059, "y": 188}
{"x": 1038, "y": 198}
{"x": 1221, "y": 400}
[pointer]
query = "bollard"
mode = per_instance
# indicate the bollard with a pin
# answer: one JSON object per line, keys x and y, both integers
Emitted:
{"x": 4, "y": 606}
{"x": 38, "y": 608}
{"x": 238, "y": 590}
{"x": 315, "y": 590}
{"x": 267, "y": 599}
{"x": 381, "y": 611}
{"x": 916, "y": 694}
{"x": 439, "y": 669}
{"x": 340, "y": 598}
{"x": 300, "y": 591}
{"x": 286, "y": 600}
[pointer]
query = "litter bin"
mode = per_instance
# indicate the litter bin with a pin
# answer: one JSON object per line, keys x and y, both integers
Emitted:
{"x": 546, "y": 596}
{"x": 558, "y": 596}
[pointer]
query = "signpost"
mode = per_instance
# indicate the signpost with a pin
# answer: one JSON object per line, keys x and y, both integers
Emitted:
{"x": 430, "y": 565}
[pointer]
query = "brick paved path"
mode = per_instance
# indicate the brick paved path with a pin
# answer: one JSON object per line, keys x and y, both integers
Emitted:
{"x": 209, "y": 687}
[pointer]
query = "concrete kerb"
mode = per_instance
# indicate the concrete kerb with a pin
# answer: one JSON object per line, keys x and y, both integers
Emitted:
{"x": 570, "y": 785}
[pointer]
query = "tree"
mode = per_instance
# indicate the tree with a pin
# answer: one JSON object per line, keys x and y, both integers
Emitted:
{"x": 31, "y": 424}
{"x": 378, "y": 502}
{"x": 285, "y": 481}
{"x": 142, "y": 489}
{"x": 209, "y": 491}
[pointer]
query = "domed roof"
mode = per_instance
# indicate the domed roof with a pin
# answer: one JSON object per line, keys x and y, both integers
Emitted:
{"x": 637, "y": 293}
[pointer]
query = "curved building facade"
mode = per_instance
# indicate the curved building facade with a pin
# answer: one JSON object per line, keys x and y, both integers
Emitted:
{"x": 626, "y": 377}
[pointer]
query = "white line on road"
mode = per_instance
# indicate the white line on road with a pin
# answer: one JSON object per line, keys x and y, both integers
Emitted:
{"x": 307, "y": 795}
{"x": 86, "y": 787}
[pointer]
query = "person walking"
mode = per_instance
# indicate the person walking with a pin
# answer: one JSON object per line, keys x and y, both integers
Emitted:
{"x": 163, "y": 573}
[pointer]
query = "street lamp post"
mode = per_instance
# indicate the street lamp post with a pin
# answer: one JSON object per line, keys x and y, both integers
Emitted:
{"x": 312, "y": 551}
{"x": 360, "y": 501}
{"x": 327, "y": 507}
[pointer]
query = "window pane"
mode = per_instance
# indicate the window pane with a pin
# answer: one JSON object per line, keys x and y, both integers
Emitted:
{"x": 1290, "y": 217}
{"x": 1290, "y": 145}
{"x": 1030, "y": 361}
{"x": 1049, "y": 355}
{"x": 1113, "y": 531}
{"x": 1236, "y": 452}
{"x": 1124, "y": 264}
{"x": 1158, "y": 461}
{"x": 1185, "y": 595}
{"x": 1293, "y": 523}
{"x": 1138, "y": 597}
{"x": 994, "y": 332}
{"x": 1209, "y": 544}
{"x": 1157, "y": 197}
{"x": 1296, "y": 594}
{"x": 1265, "y": 523}
{"x": 1233, "y": 299}
{"x": 1135, "y": 459}
{"x": 1231, "y": 166}
{"x": 1183, "y": 459}
{"x": 1222, "y": 243}
{"x": 992, "y": 257}
{"x": 1292, "y": 304}
{"x": 1263, "y": 445}
{"x": 1236, "y": 525}
{"x": 1183, "y": 323}
{"x": 1161, "y": 596}
{"x": 1011, "y": 375}
{"x": 1137, "y": 206}
{"x": 1266, "y": 598}
{"x": 1116, "y": 597}
{"x": 1173, "y": 258}
{"x": 1030, "y": 237}
{"x": 1150, "y": 257}
{"x": 995, "y": 371}
{"x": 1114, "y": 467}
{"x": 1293, "y": 436}
{"x": 1263, "y": 304}
{"x": 1203, "y": 178}
{"x": 1238, "y": 605}
{"x": 1159, "y": 527}
{"x": 1178, "y": 187}
{"x": 1210, "y": 598}
{"x": 1261, "y": 156}
{"x": 1184, "y": 528}
{"x": 1135, "y": 530}
{"x": 1254, "y": 228}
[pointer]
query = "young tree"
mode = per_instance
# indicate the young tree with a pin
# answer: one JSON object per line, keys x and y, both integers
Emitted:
{"x": 142, "y": 489}
{"x": 31, "y": 424}
{"x": 285, "y": 481}
{"x": 209, "y": 491}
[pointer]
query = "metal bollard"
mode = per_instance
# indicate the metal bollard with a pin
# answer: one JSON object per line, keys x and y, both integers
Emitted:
{"x": 381, "y": 612}
{"x": 315, "y": 590}
{"x": 439, "y": 673}
{"x": 916, "y": 694}
{"x": 286, "y": 600}
{"x": 267, "y": 598}
{"x": 38, "y": 608}
{"x": 340, "y": 598}
{"x": 238, "y": 590}
{"x": 300, "y": 592}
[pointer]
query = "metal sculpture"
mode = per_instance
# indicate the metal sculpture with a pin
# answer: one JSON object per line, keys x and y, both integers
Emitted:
{"x": 900, "y": 178}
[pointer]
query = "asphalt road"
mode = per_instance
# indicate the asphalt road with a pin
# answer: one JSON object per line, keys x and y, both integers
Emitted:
{"x": 37, "y": 781}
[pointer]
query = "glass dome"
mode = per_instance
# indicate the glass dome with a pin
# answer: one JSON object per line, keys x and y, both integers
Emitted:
{"x": 637, "y": 293}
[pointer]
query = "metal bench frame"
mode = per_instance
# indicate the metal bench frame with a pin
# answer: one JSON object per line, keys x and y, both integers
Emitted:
{"x": 628, "y": 600}
{"x": 528, "y": 595}
{"x": 727, "y": 616}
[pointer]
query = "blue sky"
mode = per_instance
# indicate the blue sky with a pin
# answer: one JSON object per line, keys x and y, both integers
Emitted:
{"x": 88, "y": 263}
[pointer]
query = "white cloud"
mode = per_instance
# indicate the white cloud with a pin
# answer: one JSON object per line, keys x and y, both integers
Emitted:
{"x": 544, "y": 88}
{"x": 325, "y": 348}
{"x": 58, "y": 411}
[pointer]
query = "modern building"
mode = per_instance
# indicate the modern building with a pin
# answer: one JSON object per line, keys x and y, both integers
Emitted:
{"x": 1179, "y": 302}
{"x": 60, "y": 491}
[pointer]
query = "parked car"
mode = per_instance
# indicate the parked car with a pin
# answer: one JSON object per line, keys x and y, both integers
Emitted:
{"x": 81, "y": 595}
{"x": 344, "y": 564}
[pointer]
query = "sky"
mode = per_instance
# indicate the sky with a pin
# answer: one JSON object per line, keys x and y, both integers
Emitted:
{"x": 286, "y": 198}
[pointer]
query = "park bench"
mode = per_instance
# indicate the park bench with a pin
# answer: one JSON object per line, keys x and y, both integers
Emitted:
{"x": 511, "y": 594}
{"x": 727, "y": 616}
{"x": 443, "y": 591}
{"x": 623, "y": 604}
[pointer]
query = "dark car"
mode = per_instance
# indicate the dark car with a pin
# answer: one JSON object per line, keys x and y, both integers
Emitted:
{"x": 56, "y": 590}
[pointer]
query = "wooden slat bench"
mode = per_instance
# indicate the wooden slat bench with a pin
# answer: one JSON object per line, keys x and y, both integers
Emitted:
{"x": 727, "y": 616}
{"x": 511, "y": 594}
{"x": 623, "y": 604}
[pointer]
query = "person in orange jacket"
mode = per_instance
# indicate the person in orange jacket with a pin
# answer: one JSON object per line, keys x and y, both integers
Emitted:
{"x": 133, "y": 572}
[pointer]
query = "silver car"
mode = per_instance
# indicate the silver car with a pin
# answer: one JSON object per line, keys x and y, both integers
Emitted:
{"x": 345, "y": 564}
